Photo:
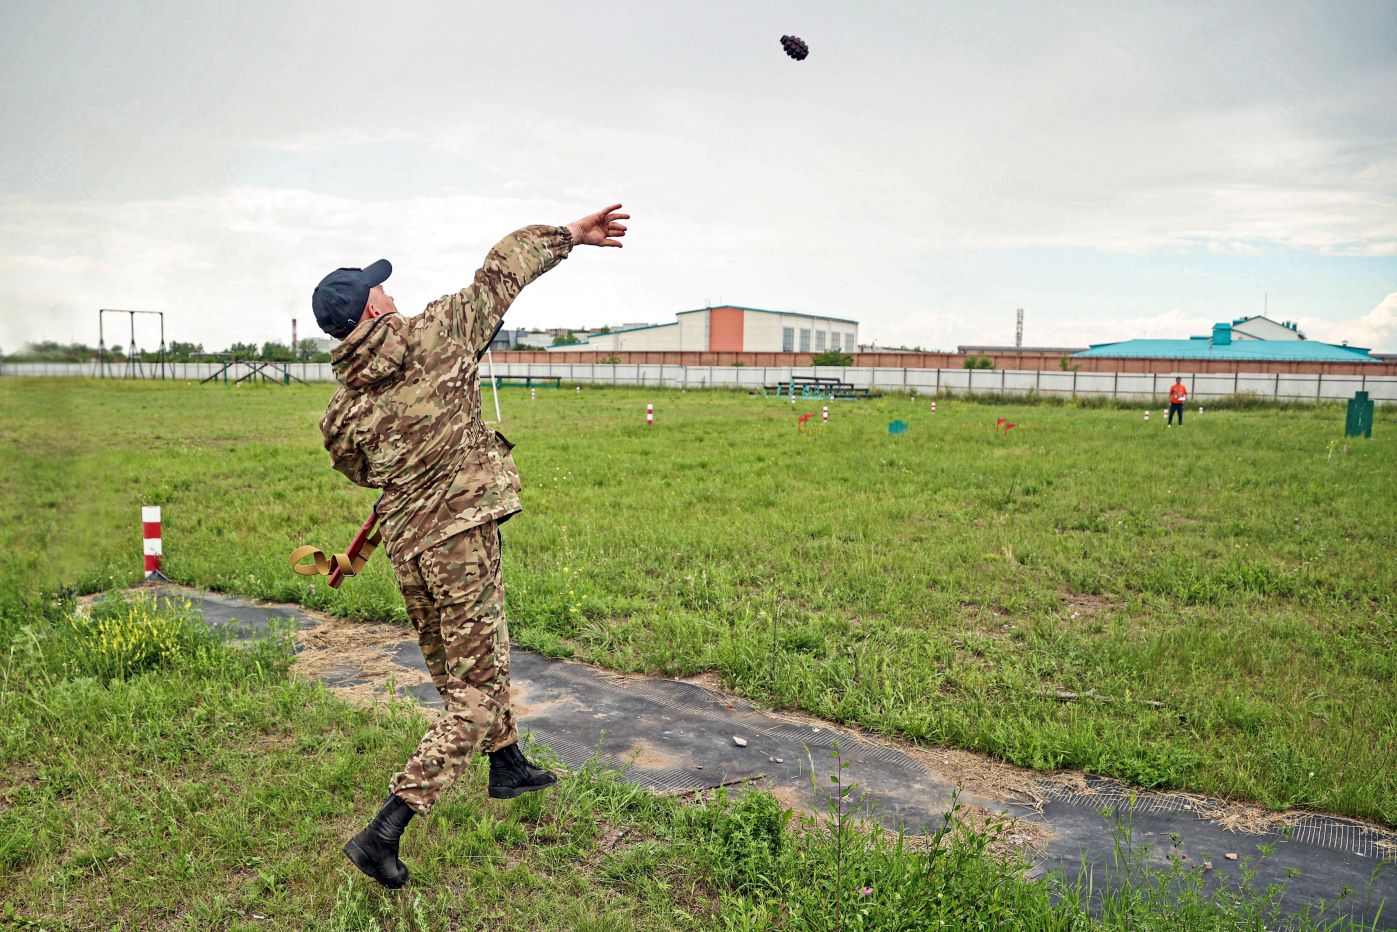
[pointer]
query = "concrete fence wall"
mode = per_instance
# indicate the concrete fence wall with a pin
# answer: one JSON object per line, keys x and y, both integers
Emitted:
{"x": 1123, "y": 385}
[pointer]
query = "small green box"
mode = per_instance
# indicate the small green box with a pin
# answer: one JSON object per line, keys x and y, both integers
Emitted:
{"x": 1360, "y": 416}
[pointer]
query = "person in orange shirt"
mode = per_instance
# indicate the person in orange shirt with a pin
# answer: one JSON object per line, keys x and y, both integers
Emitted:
{"x": 1177, "y": 394}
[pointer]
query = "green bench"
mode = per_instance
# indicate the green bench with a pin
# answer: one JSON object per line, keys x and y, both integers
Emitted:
{"x": 531, "y": 381}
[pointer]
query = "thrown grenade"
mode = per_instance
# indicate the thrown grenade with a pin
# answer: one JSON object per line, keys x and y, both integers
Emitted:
{"x": 795, "y": 47}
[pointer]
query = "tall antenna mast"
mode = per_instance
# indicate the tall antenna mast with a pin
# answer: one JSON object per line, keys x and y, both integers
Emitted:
{"x": 1018, "y": 331}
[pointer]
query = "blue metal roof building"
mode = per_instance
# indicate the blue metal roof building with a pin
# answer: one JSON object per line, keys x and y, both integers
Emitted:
{"x": 1220, "y": 346}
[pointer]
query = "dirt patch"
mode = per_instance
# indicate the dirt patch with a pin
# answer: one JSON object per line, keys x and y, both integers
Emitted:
{"x": 981, "y": 775}
{"x": 1087, "y": 606}
{"x": 519, "y": 701}
{"x": 337, "y": 649}
{"x": 645, "y": 754}
{"x": 708, "y": 679}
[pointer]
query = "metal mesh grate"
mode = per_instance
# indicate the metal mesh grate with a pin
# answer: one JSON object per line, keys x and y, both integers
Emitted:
{"x": 1320, "y": 831}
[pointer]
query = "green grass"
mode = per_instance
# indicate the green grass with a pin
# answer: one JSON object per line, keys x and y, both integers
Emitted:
{"x": 201, "y": 788}
{"x": 1224, "y": 591}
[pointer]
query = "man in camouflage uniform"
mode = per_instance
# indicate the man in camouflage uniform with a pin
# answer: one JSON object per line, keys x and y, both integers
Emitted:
{"x": 407, "y": 420}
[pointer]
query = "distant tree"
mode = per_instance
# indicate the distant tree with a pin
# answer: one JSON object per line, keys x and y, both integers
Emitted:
{"x": 242, "y": 351}
{"x": 567, "y": 339}
{"x": 183, "y": 352}
{"x": 318, "y": 357}
{"x": 604, "y": 330}
{"x": 273, "y": 351}
{"x": 305, "y": 349}
{"x": 832, "y": 358}
{"x": 527, "y": 347}
{"x": 1066, "y": 366}
{"x": 978, "y": 362}
{"x": 53, "y": 351}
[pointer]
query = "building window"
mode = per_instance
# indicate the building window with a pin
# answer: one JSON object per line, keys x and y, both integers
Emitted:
{"x": 804, "y": 340}
{"x": 788, "y": 339}
{"x": 819, "y": 341}
{"x": 834, "y": 340}
{"x": 849, "y": 343}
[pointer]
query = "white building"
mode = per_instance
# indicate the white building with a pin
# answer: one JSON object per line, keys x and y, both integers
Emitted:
{"x": 1264, "y": 328}
{"x": 730, "y": 328}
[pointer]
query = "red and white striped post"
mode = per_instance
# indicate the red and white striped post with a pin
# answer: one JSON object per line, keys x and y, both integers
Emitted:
{"x": 649, "y": 415}
{"x": 824, "y": 413}
{"x": 533, "y": 394}
{"x": 1147, "y": 417}
{"x": 933, "y": 407}
{"x": 150, "y": 531}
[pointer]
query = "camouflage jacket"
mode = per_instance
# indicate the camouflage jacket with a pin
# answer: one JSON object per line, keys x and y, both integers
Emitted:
{"x": 406, "y": 418}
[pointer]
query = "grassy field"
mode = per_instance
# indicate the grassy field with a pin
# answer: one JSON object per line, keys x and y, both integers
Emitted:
{"x": 154, "y": 778}
{"x": 1224, "y": 592}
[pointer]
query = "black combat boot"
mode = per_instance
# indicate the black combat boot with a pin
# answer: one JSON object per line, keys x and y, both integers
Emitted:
{"x": 512, "y": 775}
{"x": 375, "y": 850}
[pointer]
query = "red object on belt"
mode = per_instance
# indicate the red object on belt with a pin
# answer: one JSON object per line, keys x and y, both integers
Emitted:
{"x": 355, "y": 546}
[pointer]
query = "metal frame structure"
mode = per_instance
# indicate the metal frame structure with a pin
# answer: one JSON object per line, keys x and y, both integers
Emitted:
{"x": 256, "y": 368}
{"x": 135, "y": 368}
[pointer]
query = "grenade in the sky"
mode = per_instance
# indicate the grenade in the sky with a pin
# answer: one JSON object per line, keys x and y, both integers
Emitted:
{"x": 795, "y": 47}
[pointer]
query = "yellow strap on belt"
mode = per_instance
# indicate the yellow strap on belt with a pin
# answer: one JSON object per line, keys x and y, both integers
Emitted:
{"x": 322, "y": 565}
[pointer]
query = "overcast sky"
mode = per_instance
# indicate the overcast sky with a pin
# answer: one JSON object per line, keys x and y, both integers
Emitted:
{"x": 1117, "y": 169}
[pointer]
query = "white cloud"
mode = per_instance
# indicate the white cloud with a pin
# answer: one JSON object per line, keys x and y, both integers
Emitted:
{"x": 1376, "y": 329}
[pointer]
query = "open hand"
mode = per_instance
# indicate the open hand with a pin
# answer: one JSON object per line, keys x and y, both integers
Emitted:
{"x": 600, "y": 228}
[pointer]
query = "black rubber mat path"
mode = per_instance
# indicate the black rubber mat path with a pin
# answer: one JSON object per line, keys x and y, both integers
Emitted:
{"x": 674, "y": 736}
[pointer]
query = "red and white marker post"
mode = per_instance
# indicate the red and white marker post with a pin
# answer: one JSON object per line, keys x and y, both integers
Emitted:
{"x": 1147, "y": 417}
{"x": 533, "y": 394}
{"x": 153, "y": 548}
{"x": 649, "y": 415}
{"x": 933, "y": 407}
{"x": 824, "y": 413}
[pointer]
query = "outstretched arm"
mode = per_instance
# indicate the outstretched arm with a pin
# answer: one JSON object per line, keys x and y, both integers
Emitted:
{"x": 472, "y": 315}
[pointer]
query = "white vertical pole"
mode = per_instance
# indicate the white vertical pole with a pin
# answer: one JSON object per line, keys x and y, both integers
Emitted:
{"x": 494, "y": 387}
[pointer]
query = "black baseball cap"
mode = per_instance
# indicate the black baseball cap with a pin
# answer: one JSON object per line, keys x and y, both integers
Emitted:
{"x": 340, "y": 297}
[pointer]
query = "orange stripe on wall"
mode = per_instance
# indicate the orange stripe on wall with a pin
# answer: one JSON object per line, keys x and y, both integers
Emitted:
{"x": 725, "y": 330}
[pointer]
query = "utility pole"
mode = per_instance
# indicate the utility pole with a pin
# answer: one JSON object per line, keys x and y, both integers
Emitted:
{"x": 294, "y": 352}
{"x": 1018, "y": 331}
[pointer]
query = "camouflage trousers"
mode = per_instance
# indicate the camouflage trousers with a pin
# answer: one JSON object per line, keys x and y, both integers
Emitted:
{"x": 455, "y": 597}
